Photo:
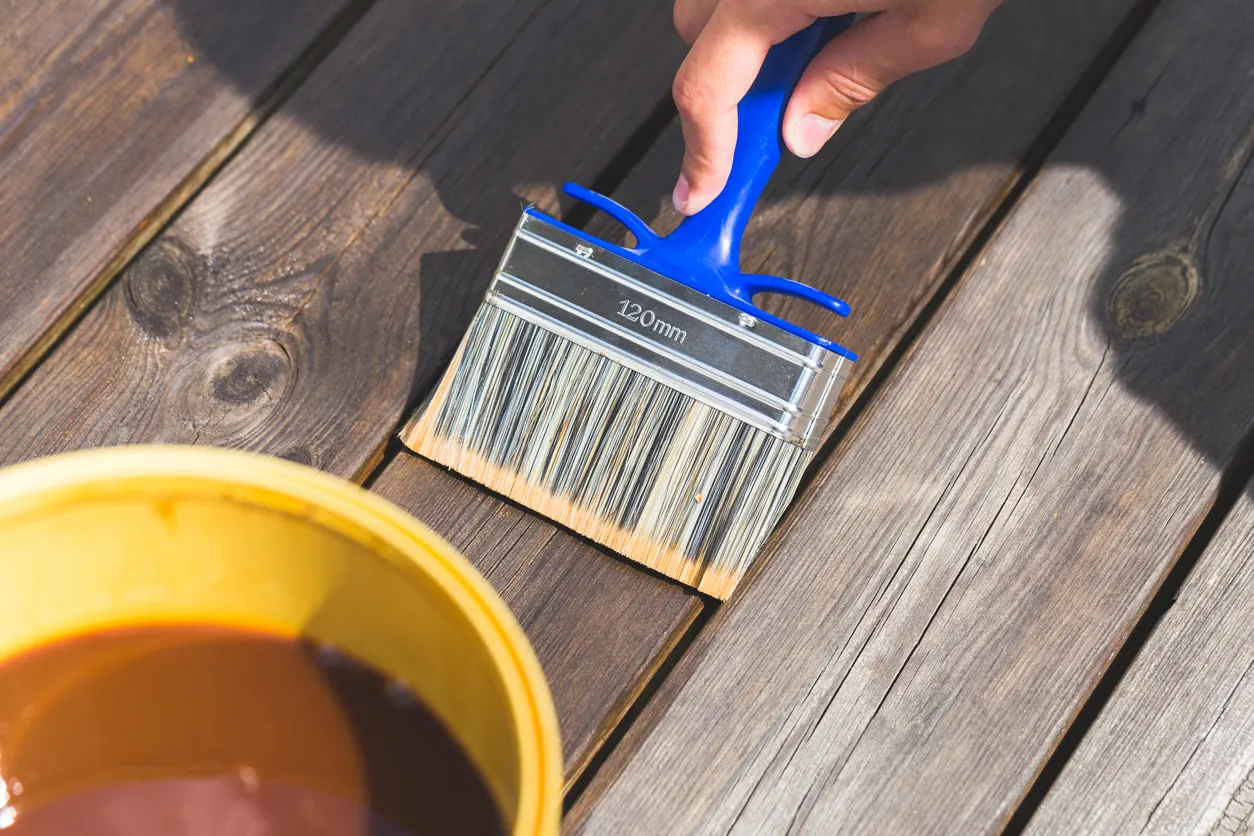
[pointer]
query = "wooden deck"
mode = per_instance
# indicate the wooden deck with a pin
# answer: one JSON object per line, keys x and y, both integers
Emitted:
{"x": 1015, "y": 591}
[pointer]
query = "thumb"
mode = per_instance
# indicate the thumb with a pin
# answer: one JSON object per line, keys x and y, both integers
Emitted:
{"x": 856, "y": 67}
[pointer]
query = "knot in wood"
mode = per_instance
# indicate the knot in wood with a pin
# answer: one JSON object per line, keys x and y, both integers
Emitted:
{"x": 1151, "y": 297}
{"x": 299, "y": 454}
{"x": 247, "y": 373}
{"x": 161, "y": 289}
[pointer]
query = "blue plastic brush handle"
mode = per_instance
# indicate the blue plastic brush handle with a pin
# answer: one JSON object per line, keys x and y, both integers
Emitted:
{"x": 704, "y": 251}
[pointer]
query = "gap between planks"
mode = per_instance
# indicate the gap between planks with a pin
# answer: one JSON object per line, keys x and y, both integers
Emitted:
{"x": 600, "y": 626}
{"x": 1137, "y": 695}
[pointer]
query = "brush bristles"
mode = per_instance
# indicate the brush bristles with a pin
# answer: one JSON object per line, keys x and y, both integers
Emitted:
{"x": 630, "y": 463}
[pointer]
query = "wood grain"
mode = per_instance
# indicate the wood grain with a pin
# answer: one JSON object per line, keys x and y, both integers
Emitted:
{"x": 107, "y": 124}
{"x": 883, "y": 215}
{"x": 35, "y": 40}
{"x": 939, "y": 605}
{"x": 1173, "y": 750}
{"x": 600, "y": 626}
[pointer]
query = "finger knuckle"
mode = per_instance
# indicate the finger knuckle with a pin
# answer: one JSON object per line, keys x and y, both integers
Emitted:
{"x": 847, "y": 92}
{"x": 692, "y": 98}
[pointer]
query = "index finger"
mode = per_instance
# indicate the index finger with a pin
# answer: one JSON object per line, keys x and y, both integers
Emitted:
{"x": 717, "y": 73}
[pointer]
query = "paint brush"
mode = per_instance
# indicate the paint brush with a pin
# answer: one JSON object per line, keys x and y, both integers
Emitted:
{"x": 638, "y": 395}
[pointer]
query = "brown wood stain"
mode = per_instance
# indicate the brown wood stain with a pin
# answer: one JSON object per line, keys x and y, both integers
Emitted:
{"x": 202, "y": 730}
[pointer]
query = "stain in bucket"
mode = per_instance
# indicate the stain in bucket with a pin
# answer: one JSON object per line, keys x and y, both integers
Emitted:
{"x": 201, "y": 731}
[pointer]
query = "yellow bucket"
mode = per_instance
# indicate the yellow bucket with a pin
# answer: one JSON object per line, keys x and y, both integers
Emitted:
{"x": 140, "y": 535}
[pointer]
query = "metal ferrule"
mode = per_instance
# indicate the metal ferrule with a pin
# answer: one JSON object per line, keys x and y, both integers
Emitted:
{"x": 594, "y": 297}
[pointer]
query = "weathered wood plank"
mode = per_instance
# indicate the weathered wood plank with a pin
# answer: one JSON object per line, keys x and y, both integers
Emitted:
{"x": 35, "y": 37}
{"x": 107, "y": 124}
{"x": 1173, "y": 750}
{"x": 883, "y": 215}
{"x": 599, "y": 625}
{"x": 937, "y": 608}
{"x": 323, "y": 278}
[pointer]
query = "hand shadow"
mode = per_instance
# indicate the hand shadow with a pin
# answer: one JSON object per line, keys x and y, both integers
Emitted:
{"x": 1171, "y": 297}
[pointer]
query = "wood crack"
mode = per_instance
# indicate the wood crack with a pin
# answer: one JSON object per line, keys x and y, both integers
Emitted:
{"x": 1083, "y": 398}
{"x": 1197, "y": 747}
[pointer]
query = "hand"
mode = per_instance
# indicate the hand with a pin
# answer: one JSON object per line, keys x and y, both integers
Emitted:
{"x": 730, "y": 38}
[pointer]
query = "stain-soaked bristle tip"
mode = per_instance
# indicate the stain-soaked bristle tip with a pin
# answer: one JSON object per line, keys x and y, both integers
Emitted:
{"x": 635, "y": 465}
